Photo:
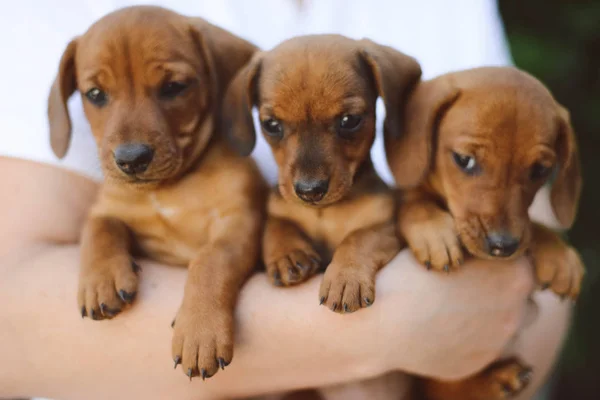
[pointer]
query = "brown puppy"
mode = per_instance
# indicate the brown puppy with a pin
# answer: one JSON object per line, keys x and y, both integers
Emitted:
{"x": 316, "y": 100}
{"x": 173, "y": 190}
{"x": 476, "y": 147}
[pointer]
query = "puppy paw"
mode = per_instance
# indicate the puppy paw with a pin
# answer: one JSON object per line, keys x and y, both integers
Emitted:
{"x": 202, "y": 341}
{"x": 106, "y": 286}
{"x": 560, "y": 268}
{"x": 504, "y": 379}
{"x": 294, "y": 267}
{"x": 434, "y": 241}
{"x": 347, "y": 288}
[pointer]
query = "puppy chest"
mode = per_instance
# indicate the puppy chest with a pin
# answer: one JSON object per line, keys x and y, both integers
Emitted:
{"x": 172, "y": 232}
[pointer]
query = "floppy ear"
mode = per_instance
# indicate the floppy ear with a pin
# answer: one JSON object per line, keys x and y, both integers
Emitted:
{"x": 410, "y": 156}
{"x": 566, "y": 189}
{"x": 395, "y": 74}
{"x": 241, "y": 96}
{"x": 224, "y": 52}
{"x": 63, "y": 87}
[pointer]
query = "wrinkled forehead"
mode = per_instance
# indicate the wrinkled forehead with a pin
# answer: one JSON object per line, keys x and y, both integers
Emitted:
{"x": 136, "y": 40}
{"x": 301, "y": 84}
{"x": 502, "y": 118}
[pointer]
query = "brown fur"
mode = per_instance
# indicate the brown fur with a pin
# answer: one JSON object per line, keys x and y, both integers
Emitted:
{"x": 508, "y": 122}
{"x": 308, "y": 84}
{"x": 197, "y": 204}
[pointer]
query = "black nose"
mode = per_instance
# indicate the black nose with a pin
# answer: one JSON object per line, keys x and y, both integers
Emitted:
{"x": 501, "y": 244}
{"x": 133, "y": 158}
{"x": 311, "y": 190}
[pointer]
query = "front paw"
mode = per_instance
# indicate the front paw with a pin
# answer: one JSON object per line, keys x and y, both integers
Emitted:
{"x": 106, "y": 286}
{"x": 294, "y": 267}
{"x": 560, "y": 268}
{"x": 504, "y": 379}
{"x": 202, "y": 341}
{"x": 434, "y": 242}
{"x": 347, "y": 288}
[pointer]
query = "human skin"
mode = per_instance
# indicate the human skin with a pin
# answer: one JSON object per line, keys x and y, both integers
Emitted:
{"x": 438, "y": 325}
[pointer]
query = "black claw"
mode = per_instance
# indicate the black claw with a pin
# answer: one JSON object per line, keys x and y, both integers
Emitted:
{"x": 507, "y": 389}
{"x": 346, "y": 309}
{"x": 136, "y": 267}
{"x": 277, "y": 279}
{"x": 222, "y": 363}
{"x": 292, "y": 274}
{"x": 368, "y": 301}
{"x": 428, "y": 265}
{"x": 109, "y": 312}
{"x": 322, "y": 300}
{"x": 93, "y": 314}
{"x": 545, "y": 285}
{"x": 204, "y": 374}
{"x": 447, "y": 268}
{"x": 315, "y": 260}
{"x": 177, "y": 361}
{"x": 333, "y": 308}
{"x": 83, "y": 312}
{"x": 302, "y": 267}
{"x": 525, "y": 375}
{"x": 173, "y": 324}
{"x": 127, "y": 297}
{"x": 190, "y": 373}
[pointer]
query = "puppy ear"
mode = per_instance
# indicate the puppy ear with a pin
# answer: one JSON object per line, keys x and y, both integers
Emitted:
{"x": 224, "y": 52}
{"x": 241, "y": 96}
{"x": 63, "y": 87}
{"x": 566, "y": 189}
{"x": 411, "y": 155}
{"x": 395, "y": 74}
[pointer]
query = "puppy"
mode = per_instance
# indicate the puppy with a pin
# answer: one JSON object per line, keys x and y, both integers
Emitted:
{"x": 316, "y": 101}
{"x": 152, "y": 81}
{"x": 475, "y": 148}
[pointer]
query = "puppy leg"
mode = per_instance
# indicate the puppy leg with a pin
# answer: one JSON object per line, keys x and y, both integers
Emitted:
{"x": 501, "y": 380}
{"x": 203, "y": 328}
{"x": 288, "y": 254}
{"x": 557, "y": 265}
{"x": 349, "y": 281}
{"x": 108, "y": 277}
{"x": 429, "y": 231}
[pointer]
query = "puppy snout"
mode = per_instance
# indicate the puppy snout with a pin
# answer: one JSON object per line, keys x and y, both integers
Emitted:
{"x": 311, "y": 191}
{"x": 501, "y": 244}
{"x": 133, "y": 158}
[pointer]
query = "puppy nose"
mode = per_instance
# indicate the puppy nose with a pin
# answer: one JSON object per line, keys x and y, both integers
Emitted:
{"x": 312, "y": 190}
{"x": 133, "y": 158}
{"x": 501, "y": 244}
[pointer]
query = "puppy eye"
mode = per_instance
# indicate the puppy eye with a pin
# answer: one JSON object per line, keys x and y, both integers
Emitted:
{"x": 273, "y": 128}
{"x": 97, "y": 97}
{"x": 539, "y": 171}
{"x": 348, "y": 124}
{"x": 466, "y": 163}
{"x": 172, "y": 89}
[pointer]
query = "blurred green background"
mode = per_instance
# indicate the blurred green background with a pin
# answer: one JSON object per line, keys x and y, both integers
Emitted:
{"x": 558, "y": 41}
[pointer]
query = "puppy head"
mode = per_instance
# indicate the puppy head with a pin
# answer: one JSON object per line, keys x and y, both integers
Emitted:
{"x": 487, "y": 140}
{"x": 316, "y": 101}
{"x": 151, "y": 81}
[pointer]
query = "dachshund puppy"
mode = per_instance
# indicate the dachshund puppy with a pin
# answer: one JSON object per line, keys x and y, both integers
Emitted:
{"x": 475, "y": 148}
{"x": 174, "y": 190}
{"x": 316, "y": 101}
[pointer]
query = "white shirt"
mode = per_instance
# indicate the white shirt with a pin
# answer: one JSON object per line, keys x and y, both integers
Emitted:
{"x": 442, "y": 35}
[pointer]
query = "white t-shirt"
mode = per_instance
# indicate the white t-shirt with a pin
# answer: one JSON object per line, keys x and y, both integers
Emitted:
{"x": 443, "y": 35}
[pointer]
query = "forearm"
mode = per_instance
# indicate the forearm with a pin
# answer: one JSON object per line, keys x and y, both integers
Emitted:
{"x": 49, "y": 350}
